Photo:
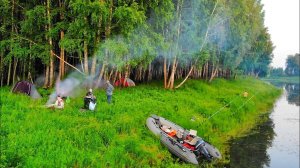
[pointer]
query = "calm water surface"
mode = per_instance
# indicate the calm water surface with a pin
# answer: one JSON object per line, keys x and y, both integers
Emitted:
{"x": 275, "y": 143}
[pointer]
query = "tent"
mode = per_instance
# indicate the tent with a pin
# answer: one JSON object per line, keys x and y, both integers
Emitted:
{"x": 128, "y": 82}
{"x": 26, "y": 88}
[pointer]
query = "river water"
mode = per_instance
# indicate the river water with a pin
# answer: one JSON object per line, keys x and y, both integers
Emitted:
{"x": 275, "y": 142}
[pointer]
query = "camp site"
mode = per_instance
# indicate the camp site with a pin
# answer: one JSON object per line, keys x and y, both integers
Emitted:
{"x": 164, "y": 83}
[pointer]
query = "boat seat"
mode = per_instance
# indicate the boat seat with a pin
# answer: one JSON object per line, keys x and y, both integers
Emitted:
{"x": 179, "y": 134}
{"x": 193, "y": 141}
{"x": 165, "y": 128}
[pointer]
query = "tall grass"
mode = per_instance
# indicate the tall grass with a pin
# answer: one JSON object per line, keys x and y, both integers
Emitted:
{"x": 115, "y": 135}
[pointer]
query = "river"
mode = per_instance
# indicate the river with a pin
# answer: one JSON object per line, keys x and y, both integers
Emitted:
{"x": 275, "y": 142}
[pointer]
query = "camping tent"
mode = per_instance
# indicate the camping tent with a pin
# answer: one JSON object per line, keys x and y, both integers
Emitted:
{"x": 26, "y": 88}
{"x": 128, "y": 82}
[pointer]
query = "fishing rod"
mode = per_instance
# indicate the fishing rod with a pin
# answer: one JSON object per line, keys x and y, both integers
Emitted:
{"x": 244, "y": 103}
{"x": 220, "y": 109}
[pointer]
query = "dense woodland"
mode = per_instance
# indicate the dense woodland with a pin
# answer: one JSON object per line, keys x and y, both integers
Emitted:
{"x": 141, "y": 39}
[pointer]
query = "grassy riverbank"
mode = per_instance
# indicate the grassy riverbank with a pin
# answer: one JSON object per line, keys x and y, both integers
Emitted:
{"x": 116, "y": 135}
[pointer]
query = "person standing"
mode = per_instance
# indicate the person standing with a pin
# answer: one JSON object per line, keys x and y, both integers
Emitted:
{"x": 109, "y": 91}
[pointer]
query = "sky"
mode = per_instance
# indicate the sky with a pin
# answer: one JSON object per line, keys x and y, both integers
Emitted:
{"x": 282, "y": 21}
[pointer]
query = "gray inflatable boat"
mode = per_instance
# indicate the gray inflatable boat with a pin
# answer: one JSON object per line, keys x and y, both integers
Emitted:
{"x": 183, "y": 143}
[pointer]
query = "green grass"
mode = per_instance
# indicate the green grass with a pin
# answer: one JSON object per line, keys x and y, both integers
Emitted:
{"x": 116, "y": 134}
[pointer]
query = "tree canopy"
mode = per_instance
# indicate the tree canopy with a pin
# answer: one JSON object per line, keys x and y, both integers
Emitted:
{"x": 292, "y": 65}
{"x": 144, "y": 40}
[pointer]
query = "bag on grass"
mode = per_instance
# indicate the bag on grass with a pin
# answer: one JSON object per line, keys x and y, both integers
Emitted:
{"x": 92, "y": 106}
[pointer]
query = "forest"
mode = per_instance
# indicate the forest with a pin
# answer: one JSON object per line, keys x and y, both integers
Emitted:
{"x": 143, "y": 40}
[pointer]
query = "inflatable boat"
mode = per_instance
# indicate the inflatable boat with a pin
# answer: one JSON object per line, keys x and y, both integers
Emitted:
{"x": 183, "y": 143}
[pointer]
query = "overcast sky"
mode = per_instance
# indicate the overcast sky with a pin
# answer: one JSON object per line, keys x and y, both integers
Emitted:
{"x": 282, "y": 20}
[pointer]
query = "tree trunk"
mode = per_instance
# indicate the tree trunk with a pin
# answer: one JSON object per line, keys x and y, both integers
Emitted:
{"x": 213, "y": 73}
{"x": 46, "y": 77}
{"x": 105, "y": 74}
{"x": 203, "y": 70}
{"x": 62, "y": 50}
{"x": 97, "y": 41}
{"x": 1, "y": 68}
{"x": 120, "y": 75}
{"x": 9, "y": 72}
{"x": 141, "y": 73}
{"x": 111, "y": 72}
{"x": 108, "y": 28}
{"x": 178, "y": 11}
{"x": 85, "y": 59}
{"x": 51, "y": 68}
{"x": 125, "y": 74}
{"x": 227, "y": 74}
{"x": 62, "y": 58}
{"x": 24, "y": 70}
{"x": 101, "y": 74}
{"x": 12, "y": 30}
{"x": 115, "y": 76}
{"x": 165, "y": 72}
{"x": 107, "y": 34}
{"x": 171, "y": 79}
{"x": 29, "y": 77}
{"x": 93, "y": 66}
{"x": 108, "y": 25}
{"x": 185, "y": 78}
{"x": 149, "y": 73}
{"x": 206, "y": 71}
{"x": 80, "y": 58}
{"x": 200, "y": 73}
{"x": 15, "y": 70}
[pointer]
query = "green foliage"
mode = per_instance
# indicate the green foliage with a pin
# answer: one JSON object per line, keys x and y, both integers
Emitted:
{"x": 276, "y": 72}
{"x": 292, "y": 65}
{"x": 128, "y": 17}
{"x": 229, "y": 35}
{"x": 115, "y": 135}
{"x": 258, "y": 60}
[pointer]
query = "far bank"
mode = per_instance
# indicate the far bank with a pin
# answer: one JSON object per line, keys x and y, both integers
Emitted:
{"x": 283, "y": 79}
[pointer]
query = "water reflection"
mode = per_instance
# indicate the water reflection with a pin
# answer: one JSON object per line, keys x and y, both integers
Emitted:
{"x": 275, "y": 142}
{"x": 292, "y": 93}
{"x": 251, "y": 151}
